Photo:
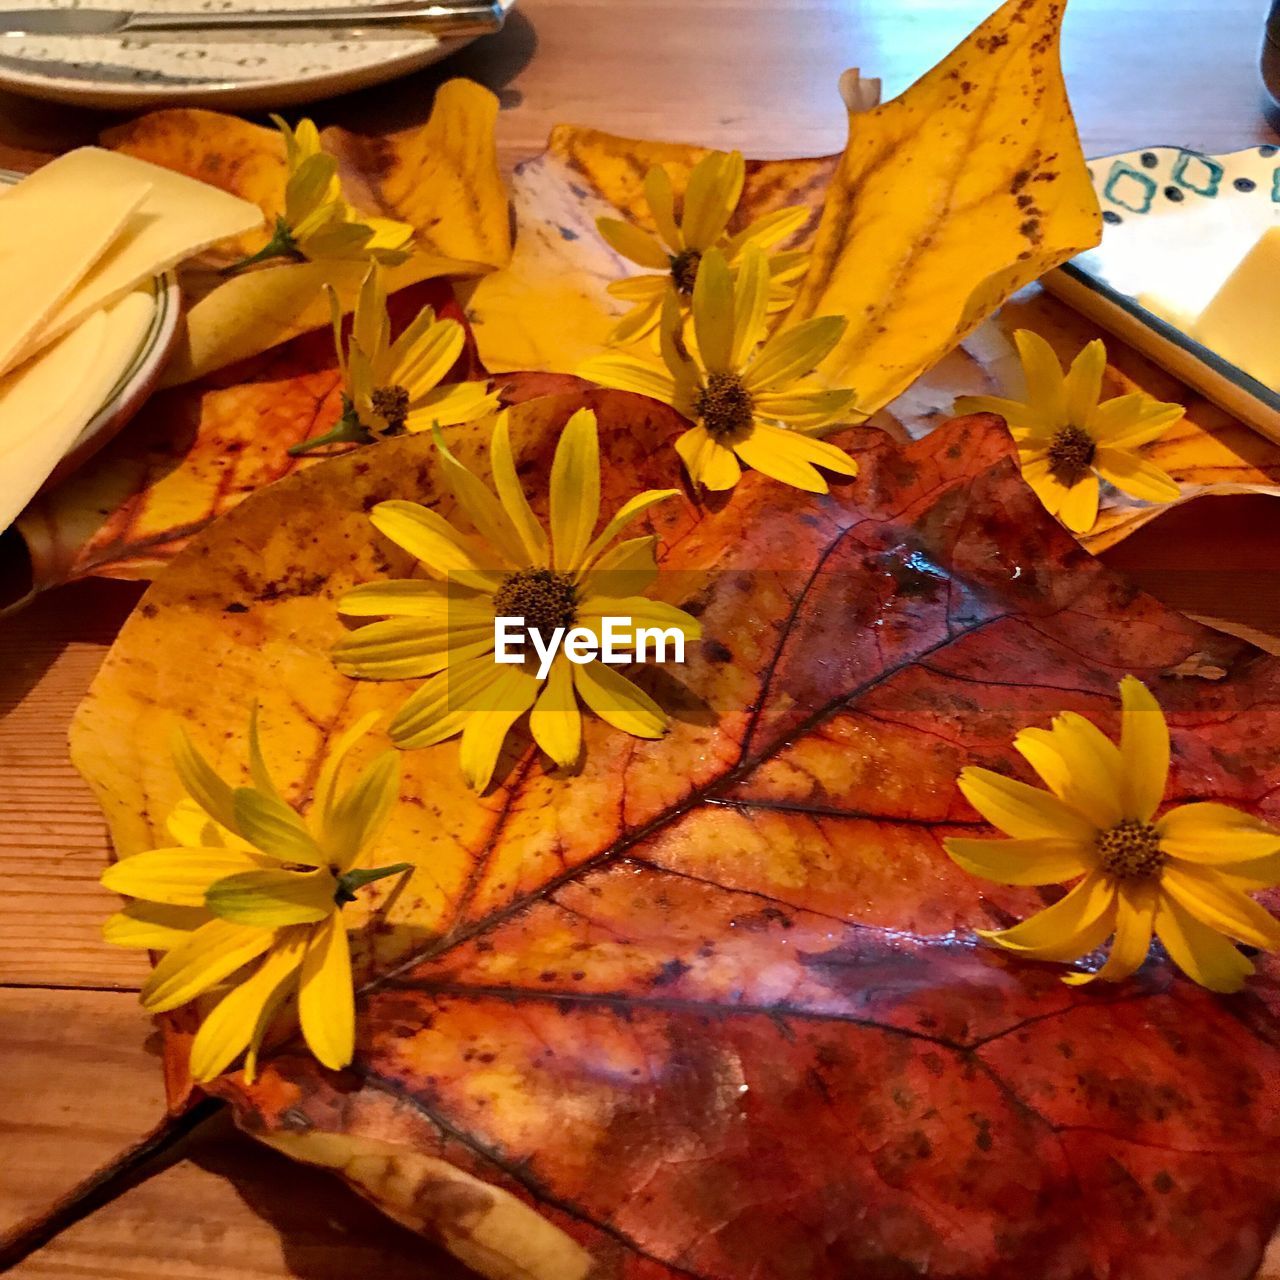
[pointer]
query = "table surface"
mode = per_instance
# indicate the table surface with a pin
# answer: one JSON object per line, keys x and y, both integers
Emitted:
{"x": 77, "y": 1056}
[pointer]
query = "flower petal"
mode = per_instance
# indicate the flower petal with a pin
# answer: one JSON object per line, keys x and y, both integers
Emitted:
{"x": 632, "y": 243}
{"x": 1046, "y": 387}
{"x": 326, "y": 995}
{"x": 661, "y": 199}
{"x": 275, "y": 829}
{"x": 450, "y": 405}
{"x": 232, "y": 1024}
{"x": 200, "y": 782}
{"x": 750, "y": 306}
{"x": 1144, "y": 752}
{"x": 807, "y": 410}
{"x": 630, "y": 510}
{"x": 770, "y": 230}
{"x": 1094, "y": 770}
{"x": 1208, "y": 897}
{"x": 714, "y": 189}
{"x": 1132, "y": 420}
{"x": 792, "y": 457}
{"x": 504, "y": 701}
{"x": 575, "y": 491}
{"x": 708, "y": 462}
{"x": 1043, "y": 861}
{"x": 413, "y": 598}
{"x": 1212, "y": 834}
{"x": 271, "y": 898}
{"x": 482, "y": 506}
{"x": 624, "y": 570}
{"x": 1022, "y": 811}
{"x": 1135, "y": 921}
{"x": 533, "y": 537}
{"x": 426, "y": 363}
{"x": 178, "y": 877}
{"x": 1067, "y": 930}
{"x": 356, "y": 819}
{"x": 555, "y": 721}
{"x": 1082, "y": 386}
{"x": 439, "y": 708}
{"x": 1079, "y": 510}
{"x": 152, "y": 926}
{"x": 626, "y": 373}
{"x": 617, "y": 701}
{"x": 430, "y": 538}
{"x": 1014, "y": 412}
{"x": 213, "y": 952}
{"x": 714, "y": 312}
{"x": 1204, "y": 955}
{"x": 793, "y": 353}
{"x": 1136, "y": 476}
{"x": 325, "y": 790}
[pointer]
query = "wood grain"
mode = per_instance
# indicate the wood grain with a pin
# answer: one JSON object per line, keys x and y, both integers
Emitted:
{"x": 80, "y": 1083}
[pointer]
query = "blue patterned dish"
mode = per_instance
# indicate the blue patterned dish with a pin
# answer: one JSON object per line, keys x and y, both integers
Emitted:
{"x": 1164, "y": 208}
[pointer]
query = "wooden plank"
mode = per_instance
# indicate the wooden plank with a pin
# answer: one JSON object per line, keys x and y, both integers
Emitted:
{"x": 79, "y": 1086}
{"x": 53, "y": 841}
{"x": 82, "y": 1084}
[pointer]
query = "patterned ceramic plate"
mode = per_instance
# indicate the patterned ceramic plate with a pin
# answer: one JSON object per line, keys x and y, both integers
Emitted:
{"x": 1164, "y": 208}
{"x": 125, "y": 72}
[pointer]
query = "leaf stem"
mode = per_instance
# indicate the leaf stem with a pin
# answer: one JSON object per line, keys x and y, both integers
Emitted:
{"x": 281, "y": 245}
{"x": 347, "y": 430}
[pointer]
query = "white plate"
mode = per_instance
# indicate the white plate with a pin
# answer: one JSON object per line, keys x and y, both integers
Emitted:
{"x": 126, "y": 72}
{"x": 1161, "y": 207}
{"x": 138, "y": 377}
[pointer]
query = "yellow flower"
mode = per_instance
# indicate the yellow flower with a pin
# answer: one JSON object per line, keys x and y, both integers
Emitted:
{"x": 736, "y": 390}
{"x": 1185, "y": 876}
{"x": 392, "y": 387}
{"x": 249, "y": 902}
{"x": 318, "y": 224}
{"x": 712, "y": 195}
{"x": 443, "y": 628}
{"x": 1066, "y": 439}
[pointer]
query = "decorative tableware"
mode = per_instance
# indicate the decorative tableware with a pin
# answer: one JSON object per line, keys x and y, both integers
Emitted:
{"x": 253, "y": 71}
{"x": 1176, "y": 223}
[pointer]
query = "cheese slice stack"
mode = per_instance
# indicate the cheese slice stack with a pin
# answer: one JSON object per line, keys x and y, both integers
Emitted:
{"x": 77, "y": 240}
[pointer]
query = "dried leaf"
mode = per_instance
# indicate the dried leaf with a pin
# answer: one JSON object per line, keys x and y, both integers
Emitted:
{"x": 1208, "y": 453}
{"x": 561, "y": 266}
{"x": 191, "y": 455}
{"x": 713, "y": 1006}
{"x": 948, "y": 199}
{"x": 443, "y": 179}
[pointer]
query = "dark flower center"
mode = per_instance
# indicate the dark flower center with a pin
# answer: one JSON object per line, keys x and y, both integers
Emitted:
{"x": 724, "y": 405}
{"x": 684, "y": 270}
{"x": 1071, "y": 455}
{"x": 1130, "y": 851}
{"x": 392, "y": 404}
{"x": 544, "y": 598}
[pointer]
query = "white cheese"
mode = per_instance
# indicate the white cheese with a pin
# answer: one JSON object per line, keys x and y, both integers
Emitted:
{"x": 51, "y": 235}
{"x": 179, "y": 218}
{"x": 46, "y": 403}
{"x": 1242, "y": 321}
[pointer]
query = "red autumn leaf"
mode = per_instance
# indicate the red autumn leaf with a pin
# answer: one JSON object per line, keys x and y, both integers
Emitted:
{"x": 714, "y": 1007}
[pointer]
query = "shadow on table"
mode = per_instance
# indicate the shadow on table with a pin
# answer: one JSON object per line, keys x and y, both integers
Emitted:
{"x": 327, "y": 1232}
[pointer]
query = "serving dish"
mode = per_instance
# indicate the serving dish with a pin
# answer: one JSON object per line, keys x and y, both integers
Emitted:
{"x": 124, "y": 72}
{"x": 1164, "y": 208}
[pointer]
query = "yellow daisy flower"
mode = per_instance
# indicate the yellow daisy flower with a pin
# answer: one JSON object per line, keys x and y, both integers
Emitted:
{"x": 1066, "y": 438}
{"x": 1185, "y": 876}
{"x": 393, "y": 387}
{"x": 744, "y": 397}
{"x": 443, "y": 628}
{"x": 249, "y": 902}
{"x": 318, "y": 224}
{"x": 712, "y": 195}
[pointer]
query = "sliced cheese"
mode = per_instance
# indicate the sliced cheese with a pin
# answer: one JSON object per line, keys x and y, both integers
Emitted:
{"x": 1242, "y": 321}
{"x": 46, "y": 403}
{"x": 179, "y": 218}
{"x": 51, "y": 234}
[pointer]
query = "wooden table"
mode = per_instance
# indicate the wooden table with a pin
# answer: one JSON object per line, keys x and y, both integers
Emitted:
{"x": 80, "y": 1079}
